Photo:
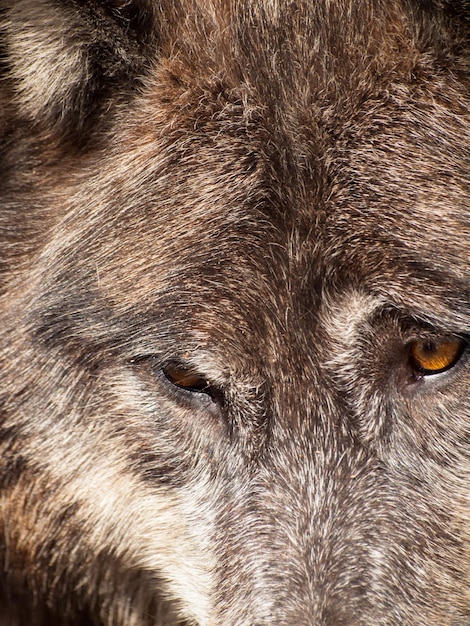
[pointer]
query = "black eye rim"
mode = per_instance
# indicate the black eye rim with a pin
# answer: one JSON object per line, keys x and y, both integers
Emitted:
{"x": 203, "y": 390}
{"x": 154, "y": 367}
{"x": 460, "y": 358}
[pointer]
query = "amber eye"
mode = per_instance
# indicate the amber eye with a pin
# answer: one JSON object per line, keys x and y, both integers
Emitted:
{"x": 435, "y": 356}
{"x": 186, "y": 378}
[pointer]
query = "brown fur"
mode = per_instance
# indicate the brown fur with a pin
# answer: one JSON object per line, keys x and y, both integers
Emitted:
{"x": 273, "y": 196}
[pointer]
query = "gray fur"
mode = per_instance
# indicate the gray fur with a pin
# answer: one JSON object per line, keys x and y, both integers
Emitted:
{"x": 273, "y": 195}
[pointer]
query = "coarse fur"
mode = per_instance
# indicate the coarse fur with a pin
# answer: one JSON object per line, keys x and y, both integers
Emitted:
{"x": 223, "y": 226}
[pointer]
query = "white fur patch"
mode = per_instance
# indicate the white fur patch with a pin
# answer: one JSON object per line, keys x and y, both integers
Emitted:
{"x": 46, "y": 65}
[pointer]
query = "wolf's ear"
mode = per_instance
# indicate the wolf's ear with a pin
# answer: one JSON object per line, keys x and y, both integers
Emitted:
{"x": 64, "y": 59}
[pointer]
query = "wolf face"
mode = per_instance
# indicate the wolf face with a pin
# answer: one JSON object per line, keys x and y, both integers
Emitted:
{"x": 234, "y": 313}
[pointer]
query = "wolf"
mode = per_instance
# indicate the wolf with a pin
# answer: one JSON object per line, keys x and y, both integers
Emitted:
{"x": 234, "y": 313}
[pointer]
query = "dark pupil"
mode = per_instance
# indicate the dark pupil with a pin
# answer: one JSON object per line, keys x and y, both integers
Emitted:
{"x": 429, "y": 347}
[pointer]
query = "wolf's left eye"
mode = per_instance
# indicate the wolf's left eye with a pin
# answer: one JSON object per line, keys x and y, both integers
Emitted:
{"x": 435, "y": 356}
{"x": 186, "y": 378}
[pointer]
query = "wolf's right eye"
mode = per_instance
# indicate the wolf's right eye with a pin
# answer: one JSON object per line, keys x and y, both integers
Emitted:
{"x": 186, "y": 378}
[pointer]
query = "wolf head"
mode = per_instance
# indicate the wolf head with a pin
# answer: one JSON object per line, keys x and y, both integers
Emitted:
{"x": 234, "y": 321}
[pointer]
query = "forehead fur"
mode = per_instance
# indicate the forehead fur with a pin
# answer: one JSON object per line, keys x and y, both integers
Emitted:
{"x": 269, "y": 119}
{"x": 279, "y": 143}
